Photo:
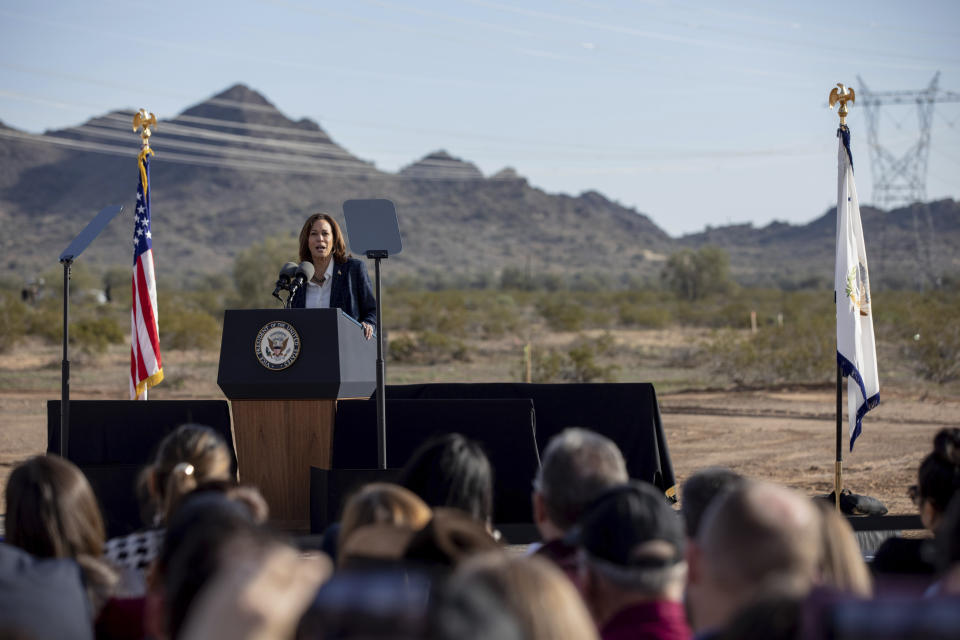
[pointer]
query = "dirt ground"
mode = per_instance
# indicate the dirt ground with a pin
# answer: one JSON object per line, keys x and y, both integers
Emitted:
{"x": 785, "y": 435}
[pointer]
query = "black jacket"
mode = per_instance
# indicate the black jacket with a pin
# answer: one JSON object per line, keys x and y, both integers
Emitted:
{"x": 350, "y": 290}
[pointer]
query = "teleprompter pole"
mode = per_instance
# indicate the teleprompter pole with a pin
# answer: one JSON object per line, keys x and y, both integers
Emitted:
{"x": 65, "y": 364}
{"x": 381, "y": 376}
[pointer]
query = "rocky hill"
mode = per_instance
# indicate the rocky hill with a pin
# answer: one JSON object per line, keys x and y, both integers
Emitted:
{"x": 233, "y": 170}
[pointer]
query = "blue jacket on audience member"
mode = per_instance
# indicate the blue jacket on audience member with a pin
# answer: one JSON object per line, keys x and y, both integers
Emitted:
{"x": 350, "y": 290}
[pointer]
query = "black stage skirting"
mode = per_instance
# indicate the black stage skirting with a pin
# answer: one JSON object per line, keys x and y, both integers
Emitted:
{"x": 111, "y": 440}
{"x": 627, "y": 413}
{"x": 504, "y": 428}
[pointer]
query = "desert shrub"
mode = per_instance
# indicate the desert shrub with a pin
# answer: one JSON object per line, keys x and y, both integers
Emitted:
{"x": 799, "y": 352}
{"x": 46, "y": 322}
{"x": 642, "y": 315}
{"x": 562, "y": 313}
{"x": 94, "y": 334}
{"x": 577, "y": 364}
{"x": 182, "y": 328}
{"x": 428, "y": 347}
{"x": 13, "y": 321}
{"x": 935, "y": 345}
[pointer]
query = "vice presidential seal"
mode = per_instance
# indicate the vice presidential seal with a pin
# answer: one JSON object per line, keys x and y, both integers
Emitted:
{"x": 278, "y": 345}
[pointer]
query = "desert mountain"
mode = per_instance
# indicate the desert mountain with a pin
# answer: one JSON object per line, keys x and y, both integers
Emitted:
{"x": 233, "y": 169}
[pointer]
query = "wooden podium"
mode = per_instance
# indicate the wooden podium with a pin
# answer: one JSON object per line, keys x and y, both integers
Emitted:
{"x": 283, "y": 371}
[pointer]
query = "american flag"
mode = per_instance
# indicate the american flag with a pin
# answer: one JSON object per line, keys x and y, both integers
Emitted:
{"x": 145, "y": 367}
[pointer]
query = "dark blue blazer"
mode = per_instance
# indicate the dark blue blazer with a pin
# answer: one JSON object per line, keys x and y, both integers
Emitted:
{"x": 350, "y": 290}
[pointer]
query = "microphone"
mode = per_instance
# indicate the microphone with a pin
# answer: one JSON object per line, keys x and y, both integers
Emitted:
{"x": 304, "y": 272}
{"x": 283, "y": 280}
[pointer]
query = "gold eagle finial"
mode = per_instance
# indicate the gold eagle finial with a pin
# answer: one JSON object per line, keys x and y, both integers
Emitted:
{"x": 145, "y": 120}
{"x": 843, "y": 95}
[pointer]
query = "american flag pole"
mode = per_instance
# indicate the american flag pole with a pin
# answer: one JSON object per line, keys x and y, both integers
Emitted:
{"x": 146, "y": 369}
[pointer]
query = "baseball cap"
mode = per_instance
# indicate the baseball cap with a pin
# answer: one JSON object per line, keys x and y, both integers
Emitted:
{"x": 622, "y": 519}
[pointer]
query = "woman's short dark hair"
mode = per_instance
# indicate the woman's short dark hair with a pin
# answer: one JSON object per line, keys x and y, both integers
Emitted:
{"x": 451, "y": 471}
{"x": 340, "y": 254}
{"x": 938, "y": 478}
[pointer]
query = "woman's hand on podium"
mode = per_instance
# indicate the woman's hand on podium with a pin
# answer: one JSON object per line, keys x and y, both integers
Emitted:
{"x": 367, "y": 330}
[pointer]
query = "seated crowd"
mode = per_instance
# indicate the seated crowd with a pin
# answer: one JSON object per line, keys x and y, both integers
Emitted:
{"x": 422, "y": 558}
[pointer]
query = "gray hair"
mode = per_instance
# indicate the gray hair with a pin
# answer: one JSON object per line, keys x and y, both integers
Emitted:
{"x": 650, "y": 581}
{"x": 578, "y": 465}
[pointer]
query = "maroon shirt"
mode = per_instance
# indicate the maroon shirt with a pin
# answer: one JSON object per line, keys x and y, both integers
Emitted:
{"x": 655, "y": 620}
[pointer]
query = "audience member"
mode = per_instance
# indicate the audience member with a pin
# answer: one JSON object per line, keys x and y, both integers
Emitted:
{"x": 452, "y": 471}
{"x": 260, "y": 592}
{"x": 700, "y": 490}
{"x": 938, "y": 479}
{"x": 448, "y": 539}
{"x": 187, "y": 457}
{"x": 52, "y": 512}
{"x": 471, "y": 612}
{"x": 578, "y": 465}
{"x": 381, "y": 503}
{"x": 191, "y": 553}
{"x": 757, "y": 541}
{"x": 42, "y": 598}
{"x": 632, "y": 568}
{"x": 545, "y": 603}
{"x": 948, "y": 551}
{"x": 841, "y": 564}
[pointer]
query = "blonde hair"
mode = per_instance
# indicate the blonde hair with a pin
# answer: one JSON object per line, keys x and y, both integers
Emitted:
{"x": 189, "y": 456}
{"x": 544, "y": 601}
{"x": 382, "y": 503}
{"x": 841, "y": 564}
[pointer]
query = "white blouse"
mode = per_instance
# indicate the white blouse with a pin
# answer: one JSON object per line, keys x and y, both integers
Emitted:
{"x": 318, "y": 295}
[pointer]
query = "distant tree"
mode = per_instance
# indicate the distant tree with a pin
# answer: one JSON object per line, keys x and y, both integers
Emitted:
{"x": 255, "y": 269}
{"x": 693, "y": 275}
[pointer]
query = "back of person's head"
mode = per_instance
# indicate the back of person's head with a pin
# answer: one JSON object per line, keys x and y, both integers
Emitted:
{"x": 472, "y": 611}
{"x": 761, "y": 537}
{"x": 538, "y": 594}
{"x": 700, "y": 490}
{"x": 776, "y": 618}
{"x": 192, "y": 550}
{"x": 52, "y": 511}
{"x": 633, "y": 541}
{"x": 578, "y": 465}
{"x": 451, "y": 471}
{"x": 450, "y": 538}
{"x": 187, "y": 457}
{"x": 842, "y": 566}
{"x": 938, "y": 477}
{"x": 948, "y": 547}
{"x": 382, "y": 503}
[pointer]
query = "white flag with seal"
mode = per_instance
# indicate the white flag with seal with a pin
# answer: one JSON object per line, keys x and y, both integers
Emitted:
{"x": 856, "y": 349}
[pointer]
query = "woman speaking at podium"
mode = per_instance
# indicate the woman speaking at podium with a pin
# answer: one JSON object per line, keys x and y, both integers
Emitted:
{"x": 339, "y": 280}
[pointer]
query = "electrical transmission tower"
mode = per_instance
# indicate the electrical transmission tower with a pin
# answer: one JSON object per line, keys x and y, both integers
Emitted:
{"x": 901, "y": 180}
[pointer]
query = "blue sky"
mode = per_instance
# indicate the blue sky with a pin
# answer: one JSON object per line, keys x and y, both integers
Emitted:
{"x": 696, "y": 113}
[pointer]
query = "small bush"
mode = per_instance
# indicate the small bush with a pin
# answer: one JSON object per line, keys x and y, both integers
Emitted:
{"x": 188, "y": 329}
{"x": 562, "y": 313}
{"x": 93, "y": 335}
{"x": 13, "y": 321}
{"x": 578, "y": 364}
{"x": 645, "y": 316}
{"x": 429, "y": 347}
